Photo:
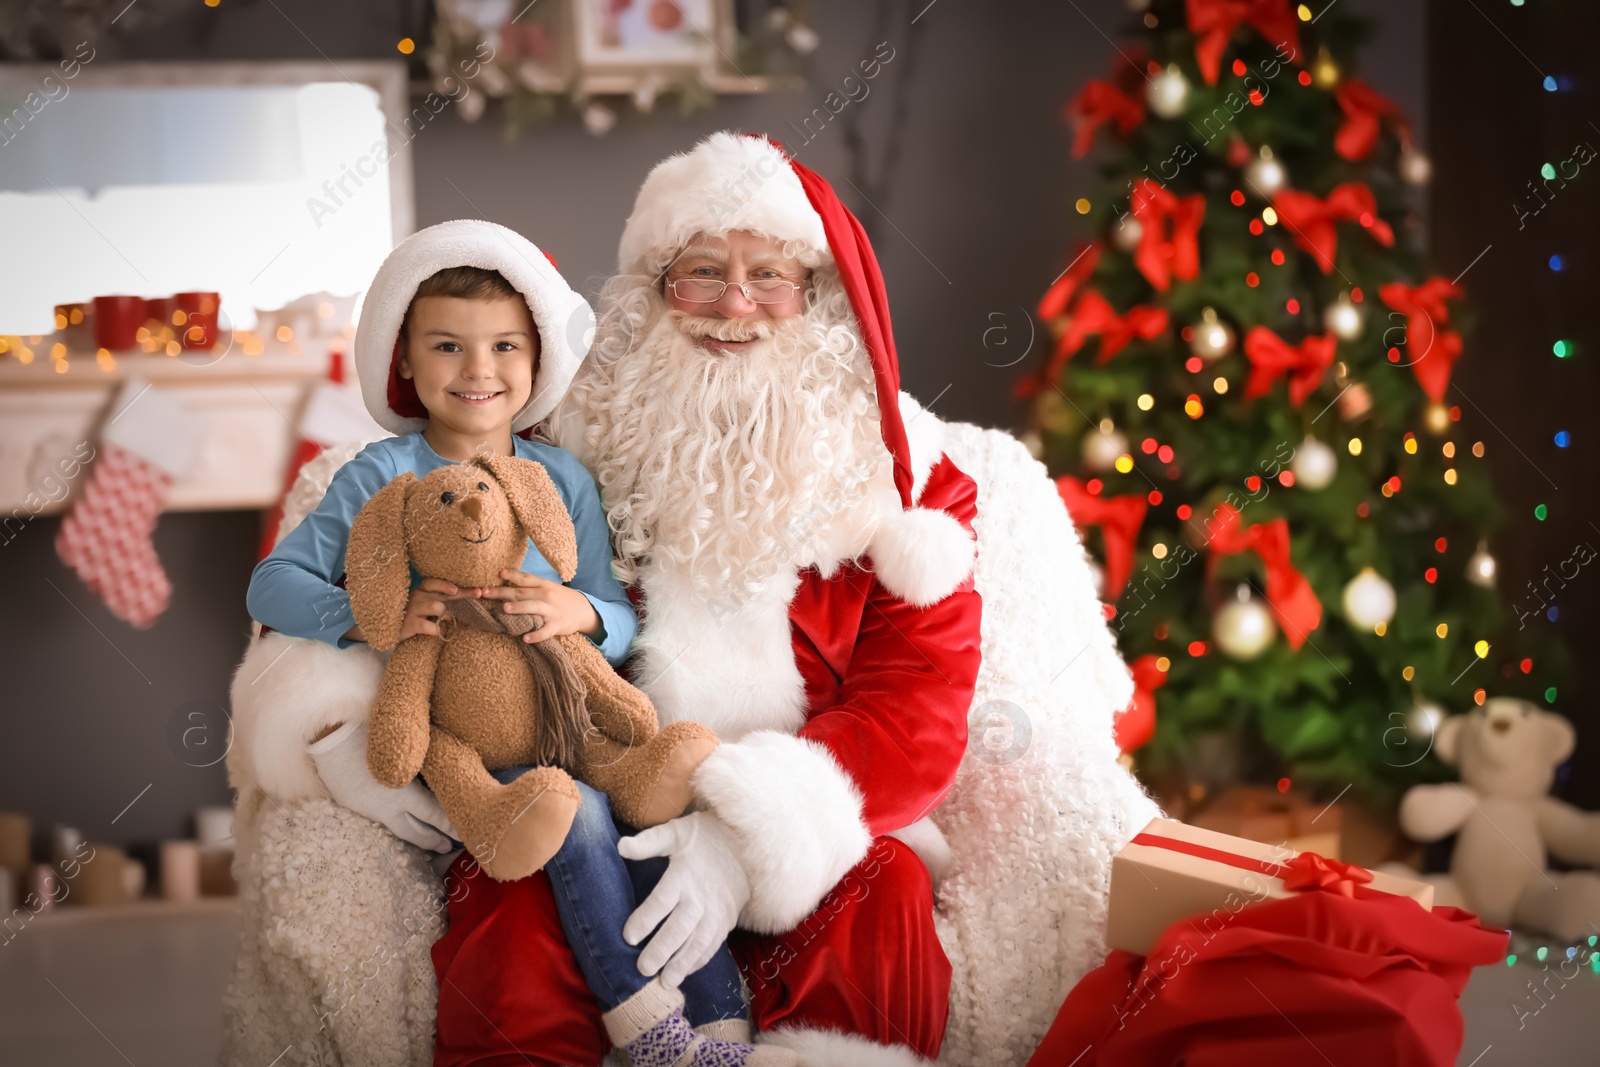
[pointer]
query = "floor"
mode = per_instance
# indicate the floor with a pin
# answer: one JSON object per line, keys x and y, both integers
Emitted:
{"x": 143, "y": 987}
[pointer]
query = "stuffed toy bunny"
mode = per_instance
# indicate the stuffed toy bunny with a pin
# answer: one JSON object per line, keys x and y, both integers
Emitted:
{"x": 478, "y": 698}
{"x": 1507, "y": 751}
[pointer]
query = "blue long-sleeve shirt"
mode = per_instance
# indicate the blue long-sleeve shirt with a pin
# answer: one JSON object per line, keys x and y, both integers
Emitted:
{"x": 292, "y": 589}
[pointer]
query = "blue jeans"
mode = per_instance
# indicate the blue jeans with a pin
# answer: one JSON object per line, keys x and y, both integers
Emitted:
{"x": 596, "y": 890}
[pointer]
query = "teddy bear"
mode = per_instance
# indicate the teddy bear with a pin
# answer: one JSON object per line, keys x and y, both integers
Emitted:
{"x": 477, "y": 698}
{"x": 1507, "y": 751}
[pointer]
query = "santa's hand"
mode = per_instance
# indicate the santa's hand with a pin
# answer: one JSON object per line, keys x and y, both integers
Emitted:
{"x": 699, "y": 897}
{"x": 411, "y": 812}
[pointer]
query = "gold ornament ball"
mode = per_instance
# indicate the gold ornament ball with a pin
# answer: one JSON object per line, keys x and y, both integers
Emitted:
{"x": 1244, "y": 628}
{"x": 1437, "y": 419}
{"x": 1102, "y": 446}
{"x": 1168, "y": 93}
{"x": 1368, "y": 599}
{"x": 1481, "y": 567}
{"x": 1213, "y": 338}
{"x": 1325, "y": 71}
{"x": 1344, "y": 319}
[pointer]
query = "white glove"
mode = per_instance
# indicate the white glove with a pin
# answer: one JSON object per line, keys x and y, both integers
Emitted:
{"x": 700, "y": 896}
{"x": 411, "y": 812}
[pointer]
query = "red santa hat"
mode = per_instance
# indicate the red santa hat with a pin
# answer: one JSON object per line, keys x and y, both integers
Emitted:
{"x": 563, "y": 318}
{"x": 733, "y": 181}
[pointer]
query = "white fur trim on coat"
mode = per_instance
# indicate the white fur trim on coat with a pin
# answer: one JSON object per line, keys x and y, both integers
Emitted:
{"x": 919, "y": 554}
{"x": 284, "y": 691}
{"x": 726, "y": 182}
{"x": 563, "y": 318}
{"x": 797, "y": 815}
{"x": 830, "y": 1048}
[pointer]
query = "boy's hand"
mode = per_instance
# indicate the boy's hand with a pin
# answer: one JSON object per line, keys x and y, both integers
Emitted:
{"x": 422, "y": 613}
{"x": 565, "y": 610}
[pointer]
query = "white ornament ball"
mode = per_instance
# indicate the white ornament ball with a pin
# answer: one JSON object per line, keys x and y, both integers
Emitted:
{"x": 1415, "y": 166}
{"x": 1344, "y": 319}
{"x": 1244, "y": 628}
{"x": 1213, "y": 338}
{"x": 1266, "y": 176}
{"x": 1481, "y": 567}
{"x": 1127, "y": 233}
{"x": 1102, "y": 447}
{"x": 1423, "y": 720}
{"x": 1368, "y": 600}
{"x": 1314, "y": 465}
{"x": 1168, "y": 93}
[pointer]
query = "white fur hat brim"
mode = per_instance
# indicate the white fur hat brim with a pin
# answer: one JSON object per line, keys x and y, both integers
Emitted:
{"x": 564, "y": 319}
{"x": 728, "y": 181}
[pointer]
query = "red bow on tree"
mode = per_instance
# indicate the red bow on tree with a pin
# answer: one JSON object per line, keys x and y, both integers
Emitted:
{"x": 1119, "y": 519}
{"x": 1064, "y": 288}
{"x": 1136, "y": 723}
{"x": 1363, "y": 108}
{"x": 1311, "y": 221}
{"x": 1168, "y": 230}
{"x": 1291, "y": 597}
{"x": 1271, "y": 357}
{"x": 1096, "y": 104}
{"x": 1214, "y": 23}
{"x": 1307, "y": 870}
{"x": 1095, "y": 315}
{"x": 1432, "y": 350}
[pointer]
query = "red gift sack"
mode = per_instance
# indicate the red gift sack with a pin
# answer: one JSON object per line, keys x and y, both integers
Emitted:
{"x": 1317, "y": 977}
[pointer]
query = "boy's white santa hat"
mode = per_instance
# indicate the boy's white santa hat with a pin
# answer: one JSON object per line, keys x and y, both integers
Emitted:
{"x": 563, "y": 318}
{"x": 732, "y": 181}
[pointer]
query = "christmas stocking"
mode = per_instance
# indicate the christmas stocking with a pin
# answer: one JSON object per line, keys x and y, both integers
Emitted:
{"x": 149, "y": 441}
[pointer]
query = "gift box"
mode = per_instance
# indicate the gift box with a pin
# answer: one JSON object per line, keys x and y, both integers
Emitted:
{"x": 1271, "y": 817}
{"x": 1172, "y": 872}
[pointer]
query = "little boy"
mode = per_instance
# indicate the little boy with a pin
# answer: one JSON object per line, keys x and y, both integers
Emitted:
{"x": 456, "y": 359}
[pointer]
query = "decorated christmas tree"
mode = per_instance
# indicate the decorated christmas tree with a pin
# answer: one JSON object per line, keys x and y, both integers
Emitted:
{"x": 1248, "y": 402}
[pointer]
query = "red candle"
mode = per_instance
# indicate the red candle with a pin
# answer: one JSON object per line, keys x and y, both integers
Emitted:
{"x": 200, "y": 329}
{"x": 117, "y": 320}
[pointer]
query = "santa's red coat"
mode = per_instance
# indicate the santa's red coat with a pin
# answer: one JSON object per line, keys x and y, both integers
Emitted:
{"x": 888, "y": 687}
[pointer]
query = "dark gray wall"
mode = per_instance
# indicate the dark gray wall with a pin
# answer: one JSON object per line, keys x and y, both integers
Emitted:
{"x": 974, "y": 223}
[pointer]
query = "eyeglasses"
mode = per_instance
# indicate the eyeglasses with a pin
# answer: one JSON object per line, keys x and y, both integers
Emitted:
{"x": 709, "y": 290}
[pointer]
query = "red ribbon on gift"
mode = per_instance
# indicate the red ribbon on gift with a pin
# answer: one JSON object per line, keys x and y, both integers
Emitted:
{"x": 1290, "y": 596}
{"x": 1169, "y": 230}
{"x": 1304, "y": 871}
{"x": 1311, "y": 221}
{"x": 1364, "y": 108}
{"x": 1093, "y": 316}
{"x": 1136, "y": 723}
{"x": 1215, "y": 21}
{"x": 1098, "y": 103}
{"x": 1119, "y": 519}
{"x": 1271, "y": 358}
{"x": 1425, "y": 312}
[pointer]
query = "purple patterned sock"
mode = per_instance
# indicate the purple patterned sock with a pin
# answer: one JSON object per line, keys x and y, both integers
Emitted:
{"x": 670, "y": 1041}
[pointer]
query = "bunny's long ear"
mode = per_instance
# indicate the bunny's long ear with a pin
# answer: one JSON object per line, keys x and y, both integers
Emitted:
{"x": 536, "y": 503}
{"x": 377, "y": 568}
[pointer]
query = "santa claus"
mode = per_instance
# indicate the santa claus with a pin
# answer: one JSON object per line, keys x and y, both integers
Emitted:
{"x": 889, "y": 620}
{"x": 802, "y": 552}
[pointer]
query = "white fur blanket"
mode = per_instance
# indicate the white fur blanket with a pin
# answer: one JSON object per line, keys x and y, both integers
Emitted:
{"x": 329, "y": 898}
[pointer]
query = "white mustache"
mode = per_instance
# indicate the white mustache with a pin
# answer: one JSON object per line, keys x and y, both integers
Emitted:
{"x": 700, "y": 327}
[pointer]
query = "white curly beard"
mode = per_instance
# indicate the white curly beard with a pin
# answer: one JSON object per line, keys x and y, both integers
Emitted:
{"x": 728, "y": 469}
